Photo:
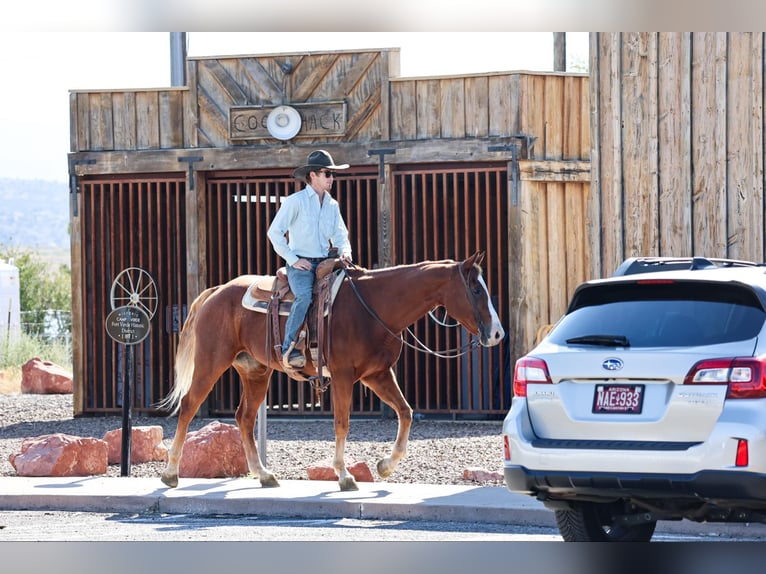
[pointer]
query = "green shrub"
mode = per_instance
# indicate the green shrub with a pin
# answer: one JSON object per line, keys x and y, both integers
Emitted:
{"x": 45, "y": 299}
{"x": 15, "y": 351}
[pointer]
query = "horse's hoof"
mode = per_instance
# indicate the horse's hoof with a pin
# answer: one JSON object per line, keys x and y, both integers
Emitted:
{"x": 348, "y": 484}
{"x": 269, "y": 482}
{"x": 384, "y": 468}
{"x": 170, "y": 480}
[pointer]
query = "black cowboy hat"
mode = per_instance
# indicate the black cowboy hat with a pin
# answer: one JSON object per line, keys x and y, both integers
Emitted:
{"x": 317, "y": 160}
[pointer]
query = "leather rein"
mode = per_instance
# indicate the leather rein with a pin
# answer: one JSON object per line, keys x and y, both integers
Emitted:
{"x": 419, "y": 346}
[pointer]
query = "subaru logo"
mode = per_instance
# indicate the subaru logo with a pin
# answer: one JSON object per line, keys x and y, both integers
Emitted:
{"x": 612, "y": 364}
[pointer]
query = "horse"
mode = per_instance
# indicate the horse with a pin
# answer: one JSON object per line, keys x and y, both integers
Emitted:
{"x": 371, "y": 310}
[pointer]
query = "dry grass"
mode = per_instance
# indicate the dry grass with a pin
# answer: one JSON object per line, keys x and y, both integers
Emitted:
{"x": 10, "y": 381}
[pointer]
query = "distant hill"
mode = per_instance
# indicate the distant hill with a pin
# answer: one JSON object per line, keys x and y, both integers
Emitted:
{"x": 34, "y": 214}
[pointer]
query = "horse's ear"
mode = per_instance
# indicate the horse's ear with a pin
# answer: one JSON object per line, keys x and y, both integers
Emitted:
{"x": 474, "y": 259}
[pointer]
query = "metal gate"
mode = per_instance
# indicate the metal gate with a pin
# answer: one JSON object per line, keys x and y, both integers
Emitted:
{"x": 449, "y": 212}
{"x": 122, "y": 224}
{"x": 436, "y": 211}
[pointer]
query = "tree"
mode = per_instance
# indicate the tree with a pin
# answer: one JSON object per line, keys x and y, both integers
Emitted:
{"x": 45, "y": 293}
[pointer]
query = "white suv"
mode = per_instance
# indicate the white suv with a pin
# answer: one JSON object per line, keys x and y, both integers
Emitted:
{"x": 646, "y": 402}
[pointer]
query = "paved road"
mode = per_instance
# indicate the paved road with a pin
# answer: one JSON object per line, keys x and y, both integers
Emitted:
{"x": 62, "y": 526}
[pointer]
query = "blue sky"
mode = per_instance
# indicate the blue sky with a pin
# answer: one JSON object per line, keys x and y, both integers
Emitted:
{"x": 45, "y": 66}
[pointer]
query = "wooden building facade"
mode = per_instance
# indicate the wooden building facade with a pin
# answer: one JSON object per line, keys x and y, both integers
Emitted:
{"x": 678, "y": 146}
{"x": 183, "y": 182}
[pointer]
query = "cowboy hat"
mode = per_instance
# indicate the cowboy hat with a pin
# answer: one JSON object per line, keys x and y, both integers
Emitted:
{"x": 317, "y": 160}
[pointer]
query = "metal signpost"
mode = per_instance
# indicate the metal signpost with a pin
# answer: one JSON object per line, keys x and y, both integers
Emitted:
{"x": 134, "y": 302}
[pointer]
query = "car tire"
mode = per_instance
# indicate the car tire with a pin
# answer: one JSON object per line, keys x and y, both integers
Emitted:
{"x": 596, "y": 522}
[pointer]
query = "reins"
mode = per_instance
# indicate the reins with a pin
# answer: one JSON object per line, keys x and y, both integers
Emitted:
{"x": 420, "y": 347}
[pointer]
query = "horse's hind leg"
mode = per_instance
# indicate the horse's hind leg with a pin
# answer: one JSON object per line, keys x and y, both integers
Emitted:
{"x": 202, "y": 383}
{"x": 255, "y": 383}
{"x": 385, "y": 386}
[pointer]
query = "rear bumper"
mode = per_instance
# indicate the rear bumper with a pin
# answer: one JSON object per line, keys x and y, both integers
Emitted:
{"x": 706, "y": 485}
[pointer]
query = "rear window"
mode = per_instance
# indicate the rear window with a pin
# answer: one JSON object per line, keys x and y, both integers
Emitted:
{"x": 672, "y": 314}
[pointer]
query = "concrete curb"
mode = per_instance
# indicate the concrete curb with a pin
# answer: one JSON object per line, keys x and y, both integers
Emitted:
{"x": 308, "y": 499}
{"x": 316, "y": 499}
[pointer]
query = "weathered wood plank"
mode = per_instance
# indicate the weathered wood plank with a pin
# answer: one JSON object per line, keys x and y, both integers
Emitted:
{"x": 452, "y": 105}
{"x": 674, "y": 140}
{"x": 428, "y": 97}
{"x": 532, "y": 112}
{"x": 308, "y": 76}
{"x": 147, "y": 121}
{"x": 83, "y": 122}
{"x": 171, "y": 119}
{"x": 237, "y": 158}
{"x": 593, "y": 224}
{"x": 610, "y": 190}
{"x": 556, "y": 254}
{"x": 745, "y": 134}
{"x": 572, "y": 119}
{"x": 262, "y": 86}
{"x": 476, "y": 106}
{"x": 553, "y": 90}
{"x": 577, "y": 259}
{"x": 403, "y": 119}
{"x": 639, "y": 137}
{"x": 543, "y": 170}
{"x": 124, "y": 120}
{"x": 709, "y": 149}
{"x": 503, "y": 105}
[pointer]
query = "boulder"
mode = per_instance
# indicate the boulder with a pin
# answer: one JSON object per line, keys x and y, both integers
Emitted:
{"x": 324, "y": 471}
{"x": 145, "y": 445}
{"x": 61, "y": 455}
{"x": 214, "y": 451}
{"x": 45, "y": 378}
{"x": 477, "y": 474}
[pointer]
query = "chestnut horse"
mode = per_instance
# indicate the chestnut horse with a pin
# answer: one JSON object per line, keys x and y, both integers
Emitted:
{"x": 368, "y": 318}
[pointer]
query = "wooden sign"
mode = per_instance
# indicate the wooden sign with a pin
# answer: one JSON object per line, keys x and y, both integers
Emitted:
{"x": 324, "y": 119}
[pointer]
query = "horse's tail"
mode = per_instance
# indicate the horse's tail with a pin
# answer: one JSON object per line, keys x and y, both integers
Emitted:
{"x": 184, "y": 363}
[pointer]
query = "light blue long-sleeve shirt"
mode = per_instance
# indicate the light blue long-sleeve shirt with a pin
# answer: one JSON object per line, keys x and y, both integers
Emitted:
{"x": 312, "y": 228}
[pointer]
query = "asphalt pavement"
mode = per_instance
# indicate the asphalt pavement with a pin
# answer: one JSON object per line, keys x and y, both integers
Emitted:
{"x": 304, "y": 498}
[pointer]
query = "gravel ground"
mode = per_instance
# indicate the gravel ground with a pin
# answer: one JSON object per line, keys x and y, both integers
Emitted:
{"x": 438, "y": 452}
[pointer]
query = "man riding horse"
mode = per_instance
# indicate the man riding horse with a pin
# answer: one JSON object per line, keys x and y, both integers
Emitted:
{"x": 305, "y": 229}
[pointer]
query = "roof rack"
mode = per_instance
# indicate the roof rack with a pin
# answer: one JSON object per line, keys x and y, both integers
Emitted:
{"x": 635, "y": 265}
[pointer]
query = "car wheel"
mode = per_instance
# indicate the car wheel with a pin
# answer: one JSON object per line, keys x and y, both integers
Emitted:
{"x": 597, "y": 522}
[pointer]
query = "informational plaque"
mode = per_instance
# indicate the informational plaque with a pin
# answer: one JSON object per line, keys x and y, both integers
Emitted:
{"x": 128, "y": 324}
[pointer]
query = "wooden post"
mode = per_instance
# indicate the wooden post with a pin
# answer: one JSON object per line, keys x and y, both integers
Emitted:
{"x": 559, "y": 51}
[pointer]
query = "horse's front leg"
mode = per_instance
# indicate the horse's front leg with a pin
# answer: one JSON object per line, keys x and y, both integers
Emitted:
{"x": 384, "y": 385}
{"x": 341, "y": 401}
{"x": 255, "y": 382}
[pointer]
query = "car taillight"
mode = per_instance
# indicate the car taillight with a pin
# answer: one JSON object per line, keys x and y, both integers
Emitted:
{"x": 506, "y": 447}
{"x": 744, "y": 375}
{"x": 742, "y": 458}
{"x": 529, "y": 370}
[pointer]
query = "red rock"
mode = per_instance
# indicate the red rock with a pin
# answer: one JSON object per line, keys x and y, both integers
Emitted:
{"x": 214, "y": 451}
{"x": 45, "y": 378}
{"x": 60, "y": 455}
{"x": 482, "y": 475}
{"x": 324, "y": 471}
{"x": 145, "y": 445}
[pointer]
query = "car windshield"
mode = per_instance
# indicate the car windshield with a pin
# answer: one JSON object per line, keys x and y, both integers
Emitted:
{"x": 666, "y": 314}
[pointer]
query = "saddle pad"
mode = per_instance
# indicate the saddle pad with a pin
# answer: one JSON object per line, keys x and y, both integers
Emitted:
{"x": 253, "y": 304}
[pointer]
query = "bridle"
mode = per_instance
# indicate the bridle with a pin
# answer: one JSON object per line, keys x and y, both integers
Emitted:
{"x": 419, "y": 346}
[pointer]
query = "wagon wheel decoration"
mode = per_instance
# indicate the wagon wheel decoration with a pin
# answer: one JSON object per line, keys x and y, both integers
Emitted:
{"x": 135, "y": 287}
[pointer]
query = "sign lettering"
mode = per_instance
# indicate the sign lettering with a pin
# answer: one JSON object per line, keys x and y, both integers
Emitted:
{"x": 317, "y": 120}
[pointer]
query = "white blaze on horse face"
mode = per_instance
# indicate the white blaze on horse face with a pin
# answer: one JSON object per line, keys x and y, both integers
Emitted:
{"x": 497, "y": 333}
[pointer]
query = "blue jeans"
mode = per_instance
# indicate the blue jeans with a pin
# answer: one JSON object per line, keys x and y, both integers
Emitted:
{"x": 302, "y": 284}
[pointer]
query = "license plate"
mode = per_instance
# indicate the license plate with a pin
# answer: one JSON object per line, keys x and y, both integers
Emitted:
{"x": 620, "y": 399}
